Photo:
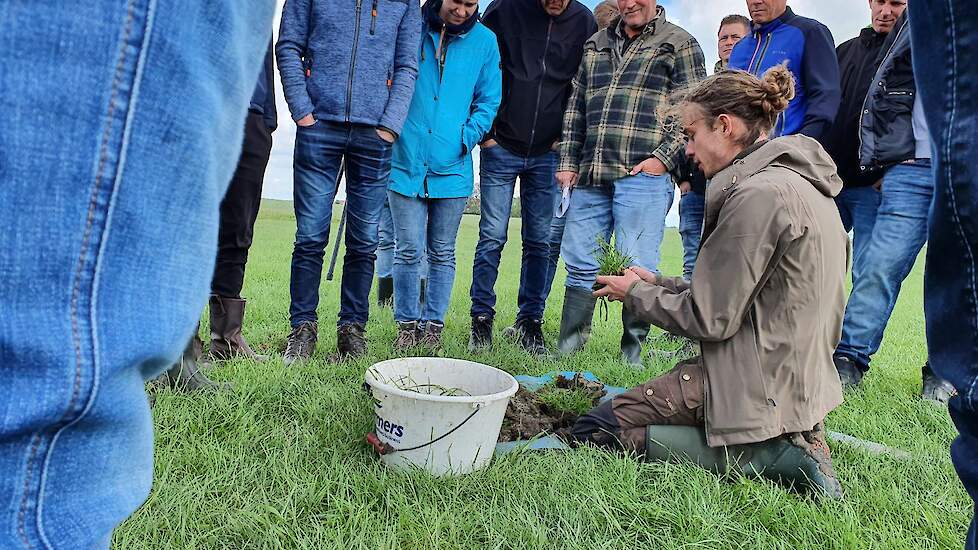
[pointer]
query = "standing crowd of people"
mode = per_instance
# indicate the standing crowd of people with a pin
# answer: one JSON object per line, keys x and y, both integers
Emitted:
{"x": 790, "y": 145}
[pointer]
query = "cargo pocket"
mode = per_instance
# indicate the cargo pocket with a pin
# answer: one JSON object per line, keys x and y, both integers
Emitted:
{"x": 664, "y": 395}
{"x": 691, "y": 384}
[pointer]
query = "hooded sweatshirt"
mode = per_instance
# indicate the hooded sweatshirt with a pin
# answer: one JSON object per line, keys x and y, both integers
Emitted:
{"x": 767, "y": 296}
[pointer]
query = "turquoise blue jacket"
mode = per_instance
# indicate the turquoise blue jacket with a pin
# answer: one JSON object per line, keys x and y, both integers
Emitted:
{"x": 448, "y": 116}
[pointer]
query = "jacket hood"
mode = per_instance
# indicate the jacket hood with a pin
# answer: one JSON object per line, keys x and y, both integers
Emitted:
{"x": 434, "y": 22}
{"x": 800, "y": 154}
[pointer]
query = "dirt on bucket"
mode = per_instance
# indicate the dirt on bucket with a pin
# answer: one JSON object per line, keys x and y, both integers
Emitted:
{"x": 550, "y": 409}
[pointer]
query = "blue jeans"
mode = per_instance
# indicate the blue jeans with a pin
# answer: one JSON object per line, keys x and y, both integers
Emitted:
{"x": 691, "y": 207}
{"x": 319, "y": 151}
{"x": 386, "y": 246}
{"x": 945, "y": 44}
{"x": 109, "y": 227}
{"x": 385, "y": 243}
{"x": 858, "y": 207}
{"x": 556, "y": 239}
{"x": 498, "y": 172}
{"x": 898, "y": 235}
{"x": 424, "y": 226}
{"x": 633, "y": 210}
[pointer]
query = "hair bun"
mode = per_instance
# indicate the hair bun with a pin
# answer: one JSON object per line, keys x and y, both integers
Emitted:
{"x": 778, "y": 85}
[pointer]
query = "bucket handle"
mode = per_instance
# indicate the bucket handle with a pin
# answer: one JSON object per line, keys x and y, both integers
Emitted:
{"x": 385, "y": 448}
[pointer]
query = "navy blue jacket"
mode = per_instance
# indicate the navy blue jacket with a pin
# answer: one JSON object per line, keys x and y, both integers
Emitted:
{"x": 263, "y": 98}
{"x": 350, "y": 60}
{"x": 809, "y": 49}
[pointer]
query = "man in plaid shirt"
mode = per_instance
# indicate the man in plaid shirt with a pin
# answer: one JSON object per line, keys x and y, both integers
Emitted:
{"x": 616, "y": 155}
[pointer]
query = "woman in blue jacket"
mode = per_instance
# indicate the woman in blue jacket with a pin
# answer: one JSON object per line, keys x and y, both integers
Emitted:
{"x": 456, "y": 96}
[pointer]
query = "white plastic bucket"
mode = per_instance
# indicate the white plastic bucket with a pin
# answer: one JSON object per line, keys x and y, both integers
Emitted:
{"x": 440, "y": 415}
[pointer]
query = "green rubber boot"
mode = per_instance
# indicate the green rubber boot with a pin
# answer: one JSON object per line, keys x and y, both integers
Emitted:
{"x": 634, "y": 333}
{"x": 185, "y": 375}
{"x": 575, "y": 320}
{"x": 793, "y": 460}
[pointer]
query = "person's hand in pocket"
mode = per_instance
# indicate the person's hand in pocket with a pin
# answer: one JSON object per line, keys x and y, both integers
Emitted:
{"x": 306, "y": 121}
{"x": 566, "y": 178}
{"x": 651, "y": 166}
{"x": 488, "y": 144}
{"x": 685, "y": 187}
{"x": 386, "y": 135}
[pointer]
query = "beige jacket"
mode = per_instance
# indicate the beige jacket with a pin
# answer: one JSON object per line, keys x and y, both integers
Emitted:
{"x": 767, "y": 295}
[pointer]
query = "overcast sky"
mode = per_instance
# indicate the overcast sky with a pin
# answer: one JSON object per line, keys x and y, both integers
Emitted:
{"x": 700, "y": 17}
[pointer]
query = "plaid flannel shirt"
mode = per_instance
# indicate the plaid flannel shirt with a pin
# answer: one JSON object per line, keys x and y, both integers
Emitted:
{"x": 611, "y": 123}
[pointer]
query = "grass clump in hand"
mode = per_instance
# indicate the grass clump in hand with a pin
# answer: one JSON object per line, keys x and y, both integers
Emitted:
{"x": 611, "y": 261}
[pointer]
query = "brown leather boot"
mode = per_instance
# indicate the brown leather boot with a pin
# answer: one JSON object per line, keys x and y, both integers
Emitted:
{"x": 227, "y": 342}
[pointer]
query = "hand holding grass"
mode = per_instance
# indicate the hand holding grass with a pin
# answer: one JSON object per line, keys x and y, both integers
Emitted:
{"x": 616, "y": 287}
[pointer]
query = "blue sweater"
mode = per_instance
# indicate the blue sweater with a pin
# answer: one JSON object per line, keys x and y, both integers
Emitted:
{"x": 350, "y": 60}
{"x": 449, "y": 116}
{"x": 809, "y": 49}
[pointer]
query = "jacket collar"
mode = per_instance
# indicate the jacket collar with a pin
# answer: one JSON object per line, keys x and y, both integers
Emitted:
{"x": 617, "y": 27}
{"x": 868, "y": 36}
{"x": 433, "y": 22}
{"x": 788, "y": 15}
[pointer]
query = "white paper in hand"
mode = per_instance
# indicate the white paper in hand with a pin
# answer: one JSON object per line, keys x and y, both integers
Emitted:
{"x": 564, "y": 202}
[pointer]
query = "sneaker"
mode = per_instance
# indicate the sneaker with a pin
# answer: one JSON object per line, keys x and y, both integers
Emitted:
{"x": 936, "y": 390}
{"x": 480, "y": 337}
{"x": 301, "y": 343}
{"x": 351, "y": 341}
{"x": 850, "y": 373}
{"x": 431, "y": 337}
{"x": 513, "y": 333}
{"x": 531, "y": 337}
{"x": 407, "y": 336}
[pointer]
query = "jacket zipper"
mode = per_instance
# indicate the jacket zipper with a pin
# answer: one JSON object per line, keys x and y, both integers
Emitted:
{"x": 536, "y": 109}
{"x": 373, "y": 18}
{"x": 353, "y": 61}
{"x": 756, "y": 69}
{"x": 864, "y": 110}
{"x": 760, "y": 59}
{"x": 426, "y": 186}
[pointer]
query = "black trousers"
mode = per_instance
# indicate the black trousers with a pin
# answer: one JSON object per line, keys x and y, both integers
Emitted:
{"x": 239, "y": 209}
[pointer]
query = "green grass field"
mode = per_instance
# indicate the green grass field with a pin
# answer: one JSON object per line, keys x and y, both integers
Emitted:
{"x": 280, "y": 461}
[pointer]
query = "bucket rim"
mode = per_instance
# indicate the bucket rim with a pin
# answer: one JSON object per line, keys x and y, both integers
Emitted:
{"x": 458, "y": 399}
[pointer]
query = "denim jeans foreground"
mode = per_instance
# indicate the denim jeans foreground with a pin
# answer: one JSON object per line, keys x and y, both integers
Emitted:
{"x": 319, "y": 151}
{"x": 424, "y": 226}
{"x": 498, "y": 170}
{"x": 945, "y": 44}
{"x": 109, "y": 224}
{"x": 899, "y": 234}
{"x": 633, "y": 210}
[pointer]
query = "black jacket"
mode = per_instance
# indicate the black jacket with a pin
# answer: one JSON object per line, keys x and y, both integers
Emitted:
{"x": 688, "y": 171}
{"x": 886, "y": 129}
{"x": 540, "y": 56}
{"x": 858, "y": 61}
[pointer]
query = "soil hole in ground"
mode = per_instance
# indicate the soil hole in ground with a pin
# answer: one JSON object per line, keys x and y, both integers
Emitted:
{"x": 550, "y": 409}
